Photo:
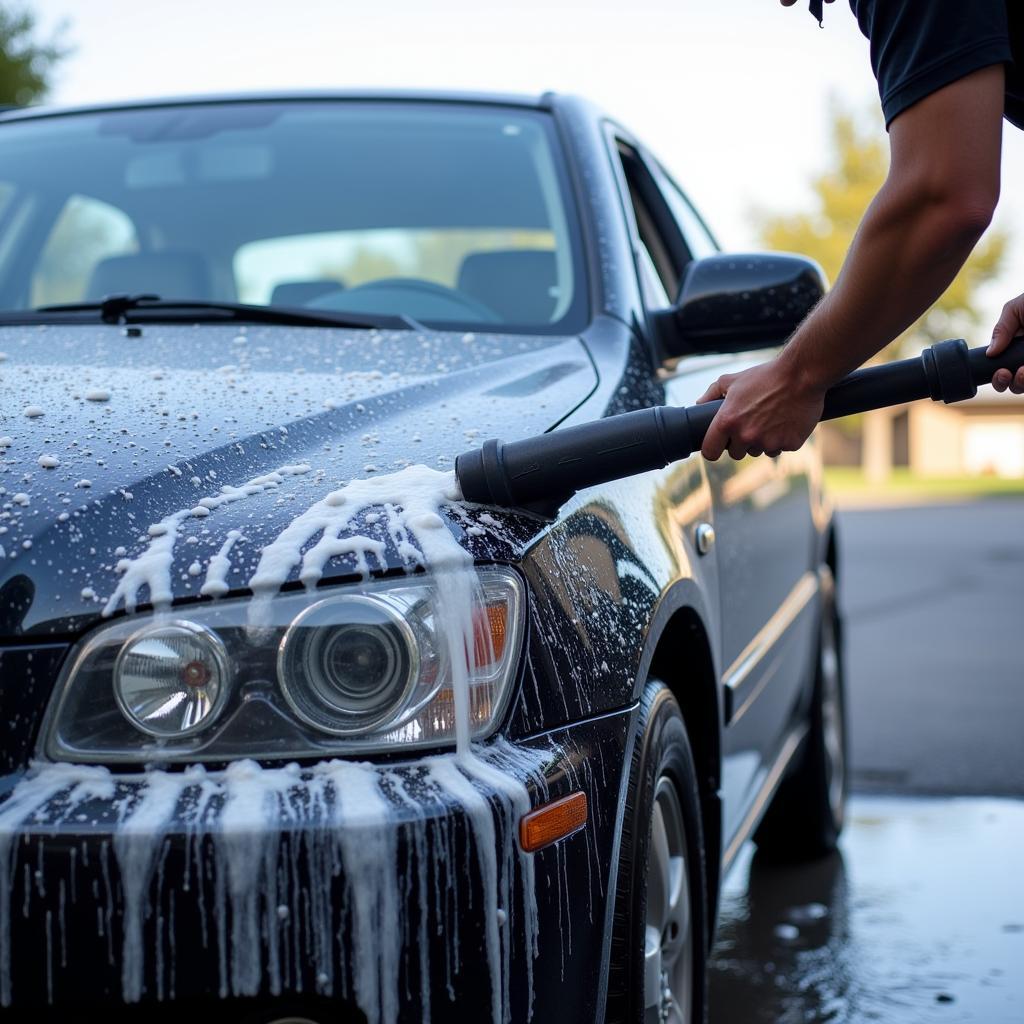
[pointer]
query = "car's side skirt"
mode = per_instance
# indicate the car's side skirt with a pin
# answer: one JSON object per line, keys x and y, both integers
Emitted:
{"x": 793, "y": 744}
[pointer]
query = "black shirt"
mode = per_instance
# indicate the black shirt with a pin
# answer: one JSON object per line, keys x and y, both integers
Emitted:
{"x": 919, "y": 46}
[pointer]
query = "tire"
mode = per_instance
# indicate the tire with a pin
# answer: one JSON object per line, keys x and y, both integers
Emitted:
{"x": 661, "y": 887}
{"x": 806, "y": 817}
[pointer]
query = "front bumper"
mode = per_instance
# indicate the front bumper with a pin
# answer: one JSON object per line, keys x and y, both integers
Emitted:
{"x": 396, "y": 891}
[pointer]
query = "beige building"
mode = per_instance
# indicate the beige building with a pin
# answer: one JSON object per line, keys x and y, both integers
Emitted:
{"x": 980, "y": 437}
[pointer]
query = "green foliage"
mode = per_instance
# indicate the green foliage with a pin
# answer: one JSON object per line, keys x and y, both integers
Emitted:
{"x": 25, "y": 62}
{"x": 857, "y": 166}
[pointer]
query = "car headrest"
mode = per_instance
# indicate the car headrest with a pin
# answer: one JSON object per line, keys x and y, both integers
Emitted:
{"x": 171, "y": 275}
{"x": 298, "y": 293}
{"x": 518, "y": 284}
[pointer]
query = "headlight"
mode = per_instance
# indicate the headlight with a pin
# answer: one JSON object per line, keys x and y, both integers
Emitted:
{"x": 349, "y": 669}
{"x": 170, "y": 681}
{"x": 348, "y": 664}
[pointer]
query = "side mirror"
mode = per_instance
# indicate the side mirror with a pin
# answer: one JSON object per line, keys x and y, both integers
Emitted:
{"x": 733, "y": 303}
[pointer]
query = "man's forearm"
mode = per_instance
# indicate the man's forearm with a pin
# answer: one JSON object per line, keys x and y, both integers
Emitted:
{"x": 942, "y": 189}
{"x": 905, "y": 255}
{"x": 940, "y": 194}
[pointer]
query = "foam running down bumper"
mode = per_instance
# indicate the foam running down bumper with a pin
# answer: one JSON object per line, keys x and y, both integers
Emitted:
{"x": 542, "y": 473}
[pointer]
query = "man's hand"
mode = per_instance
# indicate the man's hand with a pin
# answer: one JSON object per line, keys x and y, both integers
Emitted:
{"x": 1011, "y": 323}
{"x": 766, "y": 410}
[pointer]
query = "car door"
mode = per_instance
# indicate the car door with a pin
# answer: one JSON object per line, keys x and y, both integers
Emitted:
{"x": 761, "y": 517}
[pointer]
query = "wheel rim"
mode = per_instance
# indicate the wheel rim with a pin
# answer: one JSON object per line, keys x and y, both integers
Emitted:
{"x": 832, "y": 721}
{"x": 668, "y": 937}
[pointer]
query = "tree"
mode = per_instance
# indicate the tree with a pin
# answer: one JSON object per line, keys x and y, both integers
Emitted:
{"x": 857, "y": 166}
{"x": 25, "y": 63}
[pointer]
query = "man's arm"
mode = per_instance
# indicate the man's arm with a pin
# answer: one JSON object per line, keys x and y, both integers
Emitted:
{"x": 937, "y": 201}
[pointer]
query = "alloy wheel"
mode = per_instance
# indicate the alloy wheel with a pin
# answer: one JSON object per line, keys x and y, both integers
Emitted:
{"x": 668, "y": 943}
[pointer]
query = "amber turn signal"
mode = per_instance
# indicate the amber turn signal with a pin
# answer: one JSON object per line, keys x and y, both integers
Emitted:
{"x": 553, "y": 821}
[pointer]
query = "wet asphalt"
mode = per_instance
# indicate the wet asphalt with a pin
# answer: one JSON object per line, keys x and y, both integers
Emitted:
{"x": 933, "y": 600}
{"x": 920, "y": 917}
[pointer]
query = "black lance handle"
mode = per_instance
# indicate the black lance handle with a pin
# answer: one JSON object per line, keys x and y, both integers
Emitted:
{"x": 542, "y": 473}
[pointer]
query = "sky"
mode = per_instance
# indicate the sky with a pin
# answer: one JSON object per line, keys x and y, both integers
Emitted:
{"x": 733, "y": 95}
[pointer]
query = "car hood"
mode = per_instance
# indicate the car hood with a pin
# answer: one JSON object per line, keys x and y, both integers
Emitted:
{"x": 105, "y": 432}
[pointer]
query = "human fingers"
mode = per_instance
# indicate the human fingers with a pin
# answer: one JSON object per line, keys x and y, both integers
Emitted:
{"x": 737, "y": 450}
{"x": 1010, "y": 324}
{"x": 717, "y": 438}
{"x": 1017, "y": 387}
{"x": 717, "y": 390}
{"x": 1002, "y": 379}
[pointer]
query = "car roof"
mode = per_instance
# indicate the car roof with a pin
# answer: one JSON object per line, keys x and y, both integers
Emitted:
{"x": 544, "y": 101}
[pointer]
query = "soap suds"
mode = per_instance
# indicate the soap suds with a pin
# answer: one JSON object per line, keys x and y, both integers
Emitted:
{"x": 152, "y": 568}
{"x": 216, "y": 584}
{"x": 348, "y": 818}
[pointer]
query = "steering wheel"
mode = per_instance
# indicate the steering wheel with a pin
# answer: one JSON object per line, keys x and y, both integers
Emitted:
{"x": 424, "y": 300}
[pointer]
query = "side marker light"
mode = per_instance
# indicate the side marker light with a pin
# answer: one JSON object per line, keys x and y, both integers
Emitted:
{"x": 553, "y": 821}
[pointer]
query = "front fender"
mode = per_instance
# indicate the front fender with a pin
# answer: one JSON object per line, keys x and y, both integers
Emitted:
{"x": 604, "y": 580}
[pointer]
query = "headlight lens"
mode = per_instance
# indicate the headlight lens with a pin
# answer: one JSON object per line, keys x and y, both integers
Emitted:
{"x": 350, "y": 669}
{"x": 348, "y": 664}
{"x": 171, "y": 681}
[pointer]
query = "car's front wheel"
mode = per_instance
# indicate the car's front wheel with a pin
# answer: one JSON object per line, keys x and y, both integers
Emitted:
{"x": 659, "y": 942}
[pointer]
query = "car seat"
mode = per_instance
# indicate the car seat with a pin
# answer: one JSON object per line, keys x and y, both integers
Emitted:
{"x": 171, "y": 275}
{"x": 299, "y": 293}
{"x": 518, "y": 284}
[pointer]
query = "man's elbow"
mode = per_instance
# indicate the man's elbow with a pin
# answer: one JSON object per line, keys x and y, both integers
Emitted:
{"x": 959, "y": 206}
{"x": 966, "y": 216}
{"x": 954, "y": 220}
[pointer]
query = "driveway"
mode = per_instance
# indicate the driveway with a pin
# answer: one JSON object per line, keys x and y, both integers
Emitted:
{"x": 934, "y": 604}
{"x": 920, "y": 917}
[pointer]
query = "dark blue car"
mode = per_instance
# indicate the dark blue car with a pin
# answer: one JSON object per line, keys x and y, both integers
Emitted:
{"x": 291, "y": 732}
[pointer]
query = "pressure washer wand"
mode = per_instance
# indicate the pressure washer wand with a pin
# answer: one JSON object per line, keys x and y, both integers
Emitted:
{"x": 542, "y": 473}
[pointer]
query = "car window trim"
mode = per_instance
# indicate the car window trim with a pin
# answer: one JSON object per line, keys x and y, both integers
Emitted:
{"x": 616, "y": 136}
{"x": 646, "y": 184}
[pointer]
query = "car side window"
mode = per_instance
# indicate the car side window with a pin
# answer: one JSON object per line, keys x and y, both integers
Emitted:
{"x": 86, "y": 232}
{"x": 661, "y": 254}
{"x": 699, "y": 239}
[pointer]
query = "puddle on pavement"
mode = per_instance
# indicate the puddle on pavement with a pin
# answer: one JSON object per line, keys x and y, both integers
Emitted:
{"x": 919, "y": 919}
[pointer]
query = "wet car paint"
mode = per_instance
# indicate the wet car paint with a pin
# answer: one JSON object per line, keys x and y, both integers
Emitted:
{"x": 70, "y": 854}
{"x": 617, "y": 587}
{"x": 190, "y": 410}
{"x": 919, "y": 919}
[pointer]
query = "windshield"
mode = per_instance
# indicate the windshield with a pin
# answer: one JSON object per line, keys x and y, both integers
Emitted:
{"x": 455, "y": 215}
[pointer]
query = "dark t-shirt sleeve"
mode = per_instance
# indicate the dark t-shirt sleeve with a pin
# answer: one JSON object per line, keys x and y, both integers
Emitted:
{"x": 919, "y": 46}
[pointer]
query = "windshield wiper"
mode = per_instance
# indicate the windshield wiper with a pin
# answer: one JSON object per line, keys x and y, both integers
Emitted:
{"x": 123, "y": 309}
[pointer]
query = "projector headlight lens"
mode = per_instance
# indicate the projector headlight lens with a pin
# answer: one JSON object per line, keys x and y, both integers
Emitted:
{"x": 170, "y": 680}
{"x": 348, "y": 664}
